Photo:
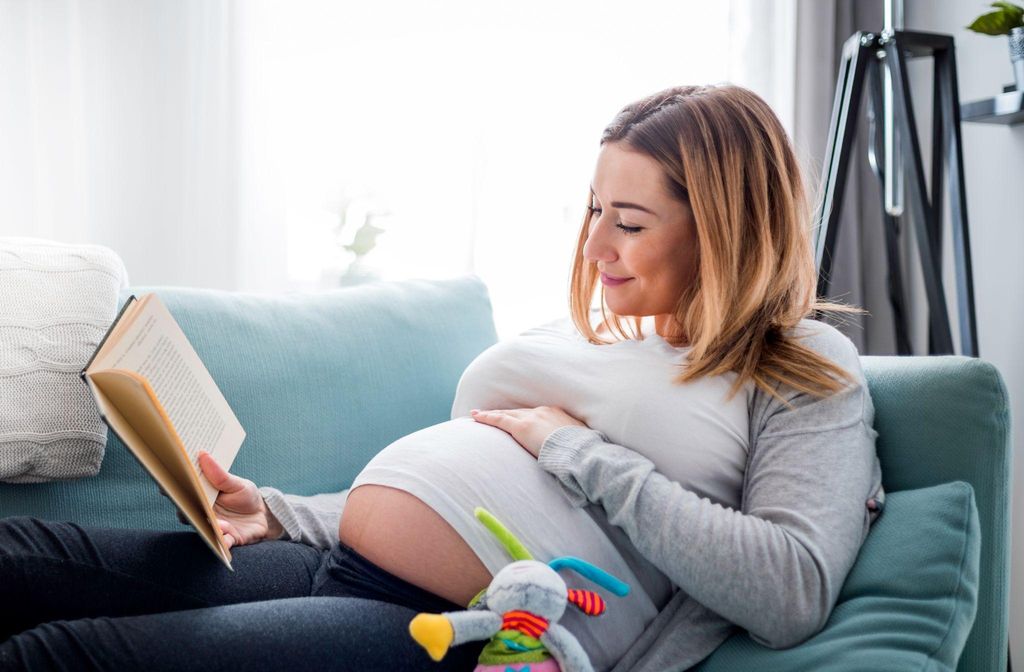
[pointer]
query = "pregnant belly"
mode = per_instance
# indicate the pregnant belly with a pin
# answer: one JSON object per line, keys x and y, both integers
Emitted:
{"x": 399, "y": 533}
{"x": 410, "y": 510}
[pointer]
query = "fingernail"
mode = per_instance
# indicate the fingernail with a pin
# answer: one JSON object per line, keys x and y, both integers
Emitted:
{"x": 474, "y": 411}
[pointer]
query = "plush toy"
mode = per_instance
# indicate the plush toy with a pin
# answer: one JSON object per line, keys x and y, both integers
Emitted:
{"x": 519, "y": 613}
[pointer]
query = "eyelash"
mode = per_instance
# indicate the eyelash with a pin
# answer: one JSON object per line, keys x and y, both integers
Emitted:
{"x": 628, "y": 230}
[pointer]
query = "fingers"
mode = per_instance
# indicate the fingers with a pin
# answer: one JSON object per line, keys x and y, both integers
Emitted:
{"x": 485, "y": 417}
{"x": 503, "y": 412}
{"x": 488, "y": 415}
{"x": 497, "y": 417}
{"x": 217, "y": 476}
{"x": 231, "y": 536}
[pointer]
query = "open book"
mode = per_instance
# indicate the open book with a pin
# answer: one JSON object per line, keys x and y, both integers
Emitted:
{"x": 153, "y": 391}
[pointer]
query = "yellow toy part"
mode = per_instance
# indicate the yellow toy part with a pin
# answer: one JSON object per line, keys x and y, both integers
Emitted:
{"x": 433, "y": 632}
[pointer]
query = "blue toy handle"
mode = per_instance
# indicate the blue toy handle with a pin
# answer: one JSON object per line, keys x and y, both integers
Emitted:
{"x": 592, "y": 572}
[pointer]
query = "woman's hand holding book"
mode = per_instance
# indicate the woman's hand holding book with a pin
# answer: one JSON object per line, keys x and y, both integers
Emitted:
{"x": 239, "y": 507}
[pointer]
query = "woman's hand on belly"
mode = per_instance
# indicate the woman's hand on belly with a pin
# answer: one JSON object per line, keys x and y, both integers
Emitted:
{"x": 528, "y": 426}
{"x": 399, "y": 533}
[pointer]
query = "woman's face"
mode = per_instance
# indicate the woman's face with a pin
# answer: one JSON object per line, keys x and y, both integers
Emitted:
{"x": 641, "y": 232}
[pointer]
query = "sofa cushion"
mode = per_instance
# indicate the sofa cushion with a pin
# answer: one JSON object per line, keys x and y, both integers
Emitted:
{"x": 56, "y": 302}
{"x": 908, "y": 603}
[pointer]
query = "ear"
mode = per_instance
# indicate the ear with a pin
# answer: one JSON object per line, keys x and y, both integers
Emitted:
{"x": 589, "y": 602}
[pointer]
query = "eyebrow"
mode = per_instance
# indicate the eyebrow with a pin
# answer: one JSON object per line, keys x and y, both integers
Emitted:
{"x": 623, "y": 205}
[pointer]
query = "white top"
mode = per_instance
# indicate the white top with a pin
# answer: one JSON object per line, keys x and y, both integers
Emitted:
{"x": 624, "y": 390}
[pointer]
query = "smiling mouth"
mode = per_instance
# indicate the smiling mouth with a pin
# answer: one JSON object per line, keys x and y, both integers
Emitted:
{"x": 611, "y": 280}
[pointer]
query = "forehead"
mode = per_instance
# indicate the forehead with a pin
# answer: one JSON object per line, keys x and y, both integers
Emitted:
{"x": 622, "y": 173}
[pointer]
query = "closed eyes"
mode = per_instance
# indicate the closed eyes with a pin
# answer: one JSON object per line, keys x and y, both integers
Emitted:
{"x": 628, "y": 230}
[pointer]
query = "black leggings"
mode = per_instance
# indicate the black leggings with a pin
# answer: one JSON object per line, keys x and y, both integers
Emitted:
{"x": 89, "y": 598}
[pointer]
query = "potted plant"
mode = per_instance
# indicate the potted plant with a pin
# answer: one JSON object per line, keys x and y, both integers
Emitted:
{"x": 362, "y": 241}
{"x": 1008, "y": 19}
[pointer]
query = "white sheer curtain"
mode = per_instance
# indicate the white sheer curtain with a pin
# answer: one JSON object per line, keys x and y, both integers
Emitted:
{"x": 217, "y": 144}
{"x": 129, "y": 124}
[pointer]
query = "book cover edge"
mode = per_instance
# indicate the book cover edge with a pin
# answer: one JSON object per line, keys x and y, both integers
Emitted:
{"x": 120, "y": 313}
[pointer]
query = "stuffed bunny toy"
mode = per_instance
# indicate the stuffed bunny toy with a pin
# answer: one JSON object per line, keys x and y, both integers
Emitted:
{"x": 519, "y": 612}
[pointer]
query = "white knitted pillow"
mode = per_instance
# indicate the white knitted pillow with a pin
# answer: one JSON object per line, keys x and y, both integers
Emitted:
{"x": 56, "y": 302}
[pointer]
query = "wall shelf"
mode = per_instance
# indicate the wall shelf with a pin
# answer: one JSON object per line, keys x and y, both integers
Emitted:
{"x": 1006, "y": 108}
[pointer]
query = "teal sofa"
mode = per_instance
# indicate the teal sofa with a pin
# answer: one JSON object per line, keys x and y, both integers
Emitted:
{"x": 322, "y": 381}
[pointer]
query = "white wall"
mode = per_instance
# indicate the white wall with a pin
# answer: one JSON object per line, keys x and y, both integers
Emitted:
{"x": 993, "y": 158}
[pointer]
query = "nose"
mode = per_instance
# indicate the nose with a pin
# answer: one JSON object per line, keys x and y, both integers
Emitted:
{"x": 598, "y": 247}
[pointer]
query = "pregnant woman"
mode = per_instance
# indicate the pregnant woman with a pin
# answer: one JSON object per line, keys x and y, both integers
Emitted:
{"x": 697, "y": 434}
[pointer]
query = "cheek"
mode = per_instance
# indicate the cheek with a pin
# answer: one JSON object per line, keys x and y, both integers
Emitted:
{"x": 675, "y": 264}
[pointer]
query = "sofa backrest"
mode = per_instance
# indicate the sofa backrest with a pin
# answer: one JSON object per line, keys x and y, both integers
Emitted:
{"x": 947, "y": 418}
{"x": 320, "y": 381}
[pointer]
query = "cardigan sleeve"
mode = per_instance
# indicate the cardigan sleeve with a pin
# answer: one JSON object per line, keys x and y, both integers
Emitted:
{"x": 775, "y": 567}
{"x": 312, "y": 520}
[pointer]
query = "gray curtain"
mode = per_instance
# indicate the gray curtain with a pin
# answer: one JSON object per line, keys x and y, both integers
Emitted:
{"x": 859, "y": 264}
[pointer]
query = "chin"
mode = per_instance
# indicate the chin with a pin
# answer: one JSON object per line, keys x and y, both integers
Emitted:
{"x": 625, "y": 312}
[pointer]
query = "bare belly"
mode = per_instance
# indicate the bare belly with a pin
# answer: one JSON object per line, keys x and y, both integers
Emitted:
{"x": 400, "y": 534}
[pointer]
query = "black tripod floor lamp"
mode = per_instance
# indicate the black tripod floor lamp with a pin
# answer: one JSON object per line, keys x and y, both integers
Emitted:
{"x": 872, "y": 56}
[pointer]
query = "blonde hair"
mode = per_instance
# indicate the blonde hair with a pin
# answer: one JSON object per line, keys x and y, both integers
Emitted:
{"x": 725, "y": 153}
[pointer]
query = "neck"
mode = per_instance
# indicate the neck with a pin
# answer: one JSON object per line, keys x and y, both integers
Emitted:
{"x": 667, "y": 327}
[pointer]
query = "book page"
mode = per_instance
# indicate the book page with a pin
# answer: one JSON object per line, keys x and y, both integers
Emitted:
{"x": 155, "y": 347}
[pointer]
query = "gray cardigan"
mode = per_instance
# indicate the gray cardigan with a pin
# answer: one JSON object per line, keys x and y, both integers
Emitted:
{"x": 773, "y": 568}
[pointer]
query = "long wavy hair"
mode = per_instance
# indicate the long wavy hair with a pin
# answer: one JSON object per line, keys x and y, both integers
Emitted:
{"x": 725, "y": 153}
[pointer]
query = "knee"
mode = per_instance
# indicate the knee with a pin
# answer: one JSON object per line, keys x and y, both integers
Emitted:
{"x": 19, "y": 533}
{"x": 21, "y": 523}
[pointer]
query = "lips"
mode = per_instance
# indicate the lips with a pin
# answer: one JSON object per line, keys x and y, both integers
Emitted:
{"x": 612, "y": 280}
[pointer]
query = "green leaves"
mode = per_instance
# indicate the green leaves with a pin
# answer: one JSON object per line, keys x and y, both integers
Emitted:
{"x": 1007, "y": 16}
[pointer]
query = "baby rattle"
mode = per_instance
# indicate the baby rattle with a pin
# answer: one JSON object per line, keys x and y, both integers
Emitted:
{"x": 519, "y": 612}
